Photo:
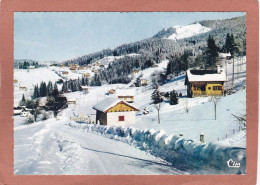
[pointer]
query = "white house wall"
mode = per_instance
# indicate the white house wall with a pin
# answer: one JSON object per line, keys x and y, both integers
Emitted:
{"x": 112, "y": 118}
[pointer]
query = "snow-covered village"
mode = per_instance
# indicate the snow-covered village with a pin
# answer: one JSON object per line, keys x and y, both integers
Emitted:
{"x": 174, "y": 103}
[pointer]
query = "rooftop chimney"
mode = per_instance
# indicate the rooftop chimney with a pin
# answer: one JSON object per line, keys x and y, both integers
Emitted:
{"x": 218, "y": 69}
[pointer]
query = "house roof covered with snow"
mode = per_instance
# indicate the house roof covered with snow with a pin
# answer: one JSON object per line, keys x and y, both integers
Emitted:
{"x": 224, "y": 55}
{"x": 109, "y": 102}
{"x": 205, "y": 76}
{"x": 125, "y": 92}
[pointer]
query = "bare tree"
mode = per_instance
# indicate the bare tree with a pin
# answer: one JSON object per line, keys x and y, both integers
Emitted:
{"x": 158, "y": 107}
{"x": 186, "y": 106}
{"x": 241, "y": 120}
{"x": 215, "y": 100}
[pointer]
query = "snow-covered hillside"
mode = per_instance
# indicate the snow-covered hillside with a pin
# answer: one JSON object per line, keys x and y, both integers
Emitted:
{"x": 29, "y": 78}
{"x": 51, "y": 147}
{"x": 182, "y": 32}
{"x": 109, "y": 59}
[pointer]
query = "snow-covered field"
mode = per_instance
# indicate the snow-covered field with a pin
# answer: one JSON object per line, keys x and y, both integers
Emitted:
{"x": 51, "y": 147}
{"x": 29, "y": 78}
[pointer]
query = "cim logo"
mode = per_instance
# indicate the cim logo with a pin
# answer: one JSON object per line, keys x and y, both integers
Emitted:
{"x": 233, "y": 164}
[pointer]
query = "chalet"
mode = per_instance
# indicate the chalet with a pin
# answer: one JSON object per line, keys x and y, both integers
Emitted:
{"x": 97, "y": 64}
{"x": 73, "y": 68}
{"x": 18, "y": 110}
{"x": 15, "y": 81}
{"x": 111, "y": 91}
{"x": 205, "y": 82}
{"x": 25, "y": 113}
{"x": 81, "y": 68}
{"x": 135, "y": 71}
{"x": 95, "y": 71}
{"x": 102, "y": 66}
{"x": 112, "y": 111}
{"x": 86, "y": 74}
{"x": 72, "y": 101}
{"x": 84, "y": 88}
{"x": 144, "y": 82}
{"x": 126, "y": 95}
{"x": 31, "y": 67}
{"x": 21, "y": 88}
{"x": 88, "y": 66}
{"x": 155, "y": 65}
{"x": 65, "y": 72}
{"x": 62, "y": 65}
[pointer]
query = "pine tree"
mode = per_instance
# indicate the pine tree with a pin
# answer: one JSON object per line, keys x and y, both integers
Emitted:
{"x": 156, "y": 96}
{"x": 23, "y": 101}
{"x": 49, "y": 88}
{"x": 55, "y": 91}
{"x": 174, "y": 99}
{"x": 23, "y": 98}
{"x": 36, "y": 93}
{"x": 211, "y": 51}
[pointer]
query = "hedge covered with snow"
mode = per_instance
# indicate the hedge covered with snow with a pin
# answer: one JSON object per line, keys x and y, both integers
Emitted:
{"x": 187, "y": 155}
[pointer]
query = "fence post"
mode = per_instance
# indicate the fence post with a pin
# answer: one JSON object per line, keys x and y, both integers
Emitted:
{"x": 202, "y": 138}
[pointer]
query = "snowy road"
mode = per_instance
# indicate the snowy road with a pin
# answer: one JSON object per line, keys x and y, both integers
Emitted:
{"x": 54, "y": 148}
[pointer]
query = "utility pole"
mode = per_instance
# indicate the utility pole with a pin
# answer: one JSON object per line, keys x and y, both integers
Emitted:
{"x": 238, "y": 68}
{"x": 233, "y": 72}
{"x": 226, "y": 68}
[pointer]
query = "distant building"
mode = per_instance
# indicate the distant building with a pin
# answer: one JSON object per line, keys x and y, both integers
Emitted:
{"x": 65, "y": 72}
{"x": 112, "y": 111}
{"x": 205, "y": 82}
{"x": 127, "y": 95}
{"x": 225, "y": 55}
{"x": 71, "y": 101}
{"x": 86, "y": 74}
{"x": 135, "y": 71}
{"x": 111, "y": 91}
{"x": 155, "y": 65}
{"x": 21, "y": 88}
{"x": 15, "y": 81}
{"x": 73, "y": 68}
{"x": 144, "y": 82}
{"x": 84, "y": 88}
{"x": 31, "y": 67}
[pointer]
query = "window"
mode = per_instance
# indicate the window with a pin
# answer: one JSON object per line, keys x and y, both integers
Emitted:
{"x": 215, "y": 88}
{"x": 219, "y": 87}
{"x": 209, "y": 88}
{"x": 121, "y": 118}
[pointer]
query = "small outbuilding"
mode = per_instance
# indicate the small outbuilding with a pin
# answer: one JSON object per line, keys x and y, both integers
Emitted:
{"x": 112, "y": 111}
{"x": 144, "y": 82}
{"x": 225, "y": 55}
{"x": 111, "y": 91}
{"x": 127, "y": 95}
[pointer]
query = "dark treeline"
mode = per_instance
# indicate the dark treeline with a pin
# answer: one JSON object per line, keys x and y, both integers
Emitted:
{"x": 51, "y": 89}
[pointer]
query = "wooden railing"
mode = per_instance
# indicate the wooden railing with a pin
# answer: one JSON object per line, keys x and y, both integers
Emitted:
{"x": 204, "y": 93}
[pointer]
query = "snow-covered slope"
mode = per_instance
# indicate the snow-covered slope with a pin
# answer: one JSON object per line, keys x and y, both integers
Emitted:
{"x": 107, "y": 60}
{"x": 51, "y": 147}
{"x": 182, "y": 32}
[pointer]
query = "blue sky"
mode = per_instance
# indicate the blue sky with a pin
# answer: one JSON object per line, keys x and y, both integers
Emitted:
{"x": 58, "y": 36}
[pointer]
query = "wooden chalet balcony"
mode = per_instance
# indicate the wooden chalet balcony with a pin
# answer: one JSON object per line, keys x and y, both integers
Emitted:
{"x": 199, "y": 93}
{"x": 204, "y": 93}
